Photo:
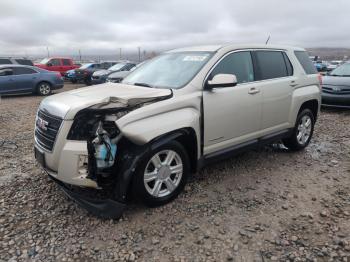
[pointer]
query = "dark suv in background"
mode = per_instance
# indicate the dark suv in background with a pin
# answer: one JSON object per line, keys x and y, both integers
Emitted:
{"x": 84, "y": 73}
{"x": 19, "y": 61}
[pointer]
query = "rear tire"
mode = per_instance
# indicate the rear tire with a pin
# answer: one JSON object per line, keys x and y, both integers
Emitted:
{"x": 161, "y": 175}
{"x": 302, "y": 132}
{"x": 44, "y": 89}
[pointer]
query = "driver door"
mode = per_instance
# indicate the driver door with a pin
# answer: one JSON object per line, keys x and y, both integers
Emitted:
{"x": 232, "y": 115}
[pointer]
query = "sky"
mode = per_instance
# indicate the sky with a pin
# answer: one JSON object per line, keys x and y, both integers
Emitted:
{"x": 104, "y": 26}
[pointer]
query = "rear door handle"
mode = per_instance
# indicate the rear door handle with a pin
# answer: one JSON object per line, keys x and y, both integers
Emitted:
{"x": 293, "y": 84}
{"x": 253, "y": 91}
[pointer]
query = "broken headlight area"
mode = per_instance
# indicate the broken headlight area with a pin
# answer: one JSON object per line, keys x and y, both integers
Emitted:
{"x": 99, "y": 130}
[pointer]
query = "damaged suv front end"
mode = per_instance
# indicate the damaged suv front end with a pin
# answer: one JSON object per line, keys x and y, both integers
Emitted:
{"x": 79, "y": 146}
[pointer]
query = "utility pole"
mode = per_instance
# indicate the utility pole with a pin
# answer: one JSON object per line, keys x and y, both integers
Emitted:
{"x": 120, "y": 53}
{"x": 79, "y": 56}
{"x": 48, "y": 52}
{"x": 139, "y": 48}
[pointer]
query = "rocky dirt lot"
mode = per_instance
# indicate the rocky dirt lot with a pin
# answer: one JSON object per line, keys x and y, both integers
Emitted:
{"x": 264, "y": 205}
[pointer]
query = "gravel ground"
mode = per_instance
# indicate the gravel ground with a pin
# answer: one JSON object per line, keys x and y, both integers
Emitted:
{"x": 264, "y": 205}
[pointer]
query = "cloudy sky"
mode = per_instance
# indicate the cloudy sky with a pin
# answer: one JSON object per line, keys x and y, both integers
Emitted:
{"x": 104, "y": 26}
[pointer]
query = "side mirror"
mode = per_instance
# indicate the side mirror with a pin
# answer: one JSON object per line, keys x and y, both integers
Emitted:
{"x": 49, "y": 64}
{"x": 222, "y": 80}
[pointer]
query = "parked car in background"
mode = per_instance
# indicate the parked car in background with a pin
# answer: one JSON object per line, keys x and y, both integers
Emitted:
{"x": 334, "y": 64}
{"x": 182, "y": 110}
{"x": 19, "y": 61}
{"x": 320, "y": 66}
{"x": 57, "y": 64}
{"x": 117, "y": 77}
{"x": 100, "y": 76}
{"x": 84, "y": 73}
{"x": 336, "y": 87}
{"x": 19, "y": 79}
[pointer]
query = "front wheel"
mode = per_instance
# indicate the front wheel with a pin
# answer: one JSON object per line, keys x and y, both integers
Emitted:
{"x": 302, "y": 131}
{"x": 44, "y": 89}
{"x": 161, "y": 175}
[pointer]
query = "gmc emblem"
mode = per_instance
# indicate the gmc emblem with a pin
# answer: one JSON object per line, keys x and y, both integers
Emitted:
{"x": 41, "y": 123}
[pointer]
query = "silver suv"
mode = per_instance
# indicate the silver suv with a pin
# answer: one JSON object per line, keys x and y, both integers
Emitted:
{"x": 170, "y": 117}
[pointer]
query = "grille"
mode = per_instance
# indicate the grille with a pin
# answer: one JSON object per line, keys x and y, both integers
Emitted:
{"x": 336, "y": 90}
{"x": 46, "y": 129}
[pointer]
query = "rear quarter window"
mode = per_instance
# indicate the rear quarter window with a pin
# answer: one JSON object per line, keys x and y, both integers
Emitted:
{"x": 305, "y": 62}
{"x": 24, "y": 62}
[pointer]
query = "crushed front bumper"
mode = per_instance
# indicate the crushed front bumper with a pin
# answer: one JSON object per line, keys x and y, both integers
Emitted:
{"x": 105, "y": 208}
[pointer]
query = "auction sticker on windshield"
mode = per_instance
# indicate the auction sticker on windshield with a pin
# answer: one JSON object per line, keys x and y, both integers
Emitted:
{"x": 195, "y": 58}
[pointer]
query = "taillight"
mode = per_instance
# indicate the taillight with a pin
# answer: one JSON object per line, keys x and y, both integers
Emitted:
{"x": 320, "y": 79}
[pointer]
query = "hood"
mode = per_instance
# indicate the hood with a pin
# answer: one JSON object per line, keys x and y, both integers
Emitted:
{"x": 65, "y": 105}
{"x": 336, "y": 81}
{"x": 101, "y": 72}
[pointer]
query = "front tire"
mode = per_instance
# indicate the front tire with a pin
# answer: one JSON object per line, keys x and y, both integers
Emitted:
{"x": 161, "y": 175}
{"x": 44, "y": 89}
{"x": 302, "y": 132}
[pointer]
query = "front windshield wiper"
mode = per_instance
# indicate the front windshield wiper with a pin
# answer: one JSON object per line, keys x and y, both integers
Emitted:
{"x": 143, "y": 84}
{"x": 335, "y": 75}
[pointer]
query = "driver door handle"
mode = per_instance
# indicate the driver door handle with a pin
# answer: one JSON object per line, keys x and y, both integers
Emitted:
{"x": 253, "y": 91}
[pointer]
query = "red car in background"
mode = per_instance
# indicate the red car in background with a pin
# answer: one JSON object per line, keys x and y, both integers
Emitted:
{"x": 58, "y": 64}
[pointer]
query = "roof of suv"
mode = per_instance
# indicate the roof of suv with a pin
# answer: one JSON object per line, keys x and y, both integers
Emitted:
{"x": 214, "y": 48}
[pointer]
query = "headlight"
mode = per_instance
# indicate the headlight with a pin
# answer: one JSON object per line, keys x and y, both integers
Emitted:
{"x": 86, "y": 122}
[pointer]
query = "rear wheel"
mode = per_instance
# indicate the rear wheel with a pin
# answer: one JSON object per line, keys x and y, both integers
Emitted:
{"x": 44, "y": 88}
{"x": 302, "y": 131}
{"x": 161, "y": 175}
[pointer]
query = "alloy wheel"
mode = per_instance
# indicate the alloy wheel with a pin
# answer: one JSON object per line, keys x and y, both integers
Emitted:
{"x": 304, "y": 129}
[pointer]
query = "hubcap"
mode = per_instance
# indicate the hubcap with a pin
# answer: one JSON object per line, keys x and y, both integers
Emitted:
{"x": 163, "y": 173}
{"x": 44, "y": 89}
{"x": 304, "y": 130}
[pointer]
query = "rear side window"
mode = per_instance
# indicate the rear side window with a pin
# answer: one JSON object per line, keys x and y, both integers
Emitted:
{"x": 6, "y": 71}
{"x": 272, "y": 64}
{"x": 305, "y": 62}
{"x": 4, "y": 61}
{"x": 66, "y": 62}
{"x": 239, "y": 64}
{"x": 23, "y": 71}
{"x": 24, "y": 62}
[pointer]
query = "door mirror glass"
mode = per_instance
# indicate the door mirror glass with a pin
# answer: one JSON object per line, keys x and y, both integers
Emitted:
{"x": 222, "y": 80}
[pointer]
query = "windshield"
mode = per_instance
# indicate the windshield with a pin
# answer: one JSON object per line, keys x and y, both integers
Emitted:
{"x": 343, "y": 70}
{"x": 44, "y": 61}
{"x": 117, "y": 67}
{"x": 170, "y": 70}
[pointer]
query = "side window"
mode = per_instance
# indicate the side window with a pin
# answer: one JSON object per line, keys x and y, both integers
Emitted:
{"x": 305, "y": 62}
{"x": 23, "y": 71}
{"x": 55, "y": 62}
{"x": 271, "y": 64}
{"x": 24, "y": 62}
{"x": 4, "y": 61}
{"x": 239, "y": 64}
{"x": 66, "y": 62}
{"x": 6, "y": 71}
{"x": 288, "y": 65}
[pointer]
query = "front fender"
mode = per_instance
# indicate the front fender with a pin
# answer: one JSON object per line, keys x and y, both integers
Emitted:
{"x": 144, "y": 130}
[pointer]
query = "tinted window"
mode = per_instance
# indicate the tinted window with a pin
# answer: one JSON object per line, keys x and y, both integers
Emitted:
{"x": 24, "y": 62}
{"x": 239, "y": 64}
{"x": 271, "y": 64}
{"x": 55, "y": 62}
{"x": 5, "y": 71}
{"x": 4, "y": 61}
{"x": 66, "y": 62}
{"x": 23, "y": 71}
{"x": 288, "y": 64}
{"x": 305, "y": 62}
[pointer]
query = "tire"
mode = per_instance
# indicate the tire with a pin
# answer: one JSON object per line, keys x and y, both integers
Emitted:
{"x": 44, "y": 89}
{"x": 73, "y": 81}
{"x": 88, "y": 82}
{"x": 164, "y": 184}
{"x": 302, "y": 132}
